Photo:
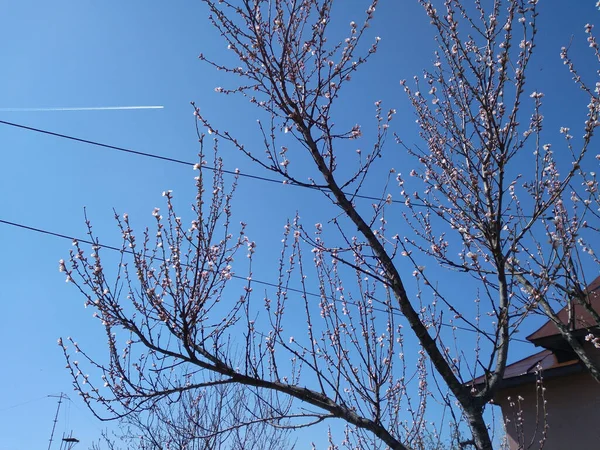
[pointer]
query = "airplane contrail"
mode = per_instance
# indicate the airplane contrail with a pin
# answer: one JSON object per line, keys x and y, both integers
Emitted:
{"x": 88, "y": 108}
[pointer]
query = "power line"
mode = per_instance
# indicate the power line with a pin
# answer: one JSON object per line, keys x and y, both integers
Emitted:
{"x": 24, "y": 403}
{"x": 175, "y": 160}
{"x": 188, "y": 163}
{"x": 134, "y": 152}
{"x": 395, "y": 311}
{"x": 111, "y": 247}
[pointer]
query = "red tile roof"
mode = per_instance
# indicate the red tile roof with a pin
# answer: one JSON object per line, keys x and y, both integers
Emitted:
{"x": 524, "y": 370}
{"x": 546, "y": 359}
{"x": 582, "y": 318}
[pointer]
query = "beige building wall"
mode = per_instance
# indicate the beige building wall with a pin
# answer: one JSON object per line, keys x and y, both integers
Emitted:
{"x": 572, "y": 414}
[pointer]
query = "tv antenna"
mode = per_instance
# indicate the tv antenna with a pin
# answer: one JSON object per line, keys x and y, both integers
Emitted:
{"x": 67, "y": 442}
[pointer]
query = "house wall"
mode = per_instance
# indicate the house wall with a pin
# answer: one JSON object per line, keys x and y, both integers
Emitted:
{"x": 572, "y": 407}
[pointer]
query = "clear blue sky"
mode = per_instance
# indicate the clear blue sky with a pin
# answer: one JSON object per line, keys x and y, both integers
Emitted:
{"x": 85, "y": 54}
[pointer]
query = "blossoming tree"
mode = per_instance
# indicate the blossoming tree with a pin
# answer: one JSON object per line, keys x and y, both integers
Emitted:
{"x": 211, "y": 419}
{"x": 523, "y": 237}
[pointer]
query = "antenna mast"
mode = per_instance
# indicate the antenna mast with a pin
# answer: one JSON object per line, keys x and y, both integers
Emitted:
{"x": 60, "y": 397}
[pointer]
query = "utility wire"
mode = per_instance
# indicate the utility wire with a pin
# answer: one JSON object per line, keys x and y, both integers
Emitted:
{"x": 175, "y": 160}
{"x": 395, "y": 311}
{"x": 187, "y": 163}
{"x": 111, "y": 247}
{"x": 135, "y": 152}
{"x": 24, "y": 403}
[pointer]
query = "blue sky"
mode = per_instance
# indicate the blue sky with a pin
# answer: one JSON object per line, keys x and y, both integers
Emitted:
{"x": 86, "y": 54}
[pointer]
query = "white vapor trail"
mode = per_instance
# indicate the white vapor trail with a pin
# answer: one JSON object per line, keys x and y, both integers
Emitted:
{"x": 89, "y": 108}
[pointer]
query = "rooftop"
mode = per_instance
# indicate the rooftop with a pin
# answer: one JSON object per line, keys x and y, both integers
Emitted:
{"x": 582, "y": 318}
{"x": 557, "y": 359}
{"x": 525, "y": 370}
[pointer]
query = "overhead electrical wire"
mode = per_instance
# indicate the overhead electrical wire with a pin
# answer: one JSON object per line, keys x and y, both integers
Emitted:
{"x": 395, "y": 311}
{"x": 208, "y": 167}
{"x": 24, "y": 403}
{"x": 173, "y": 160}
